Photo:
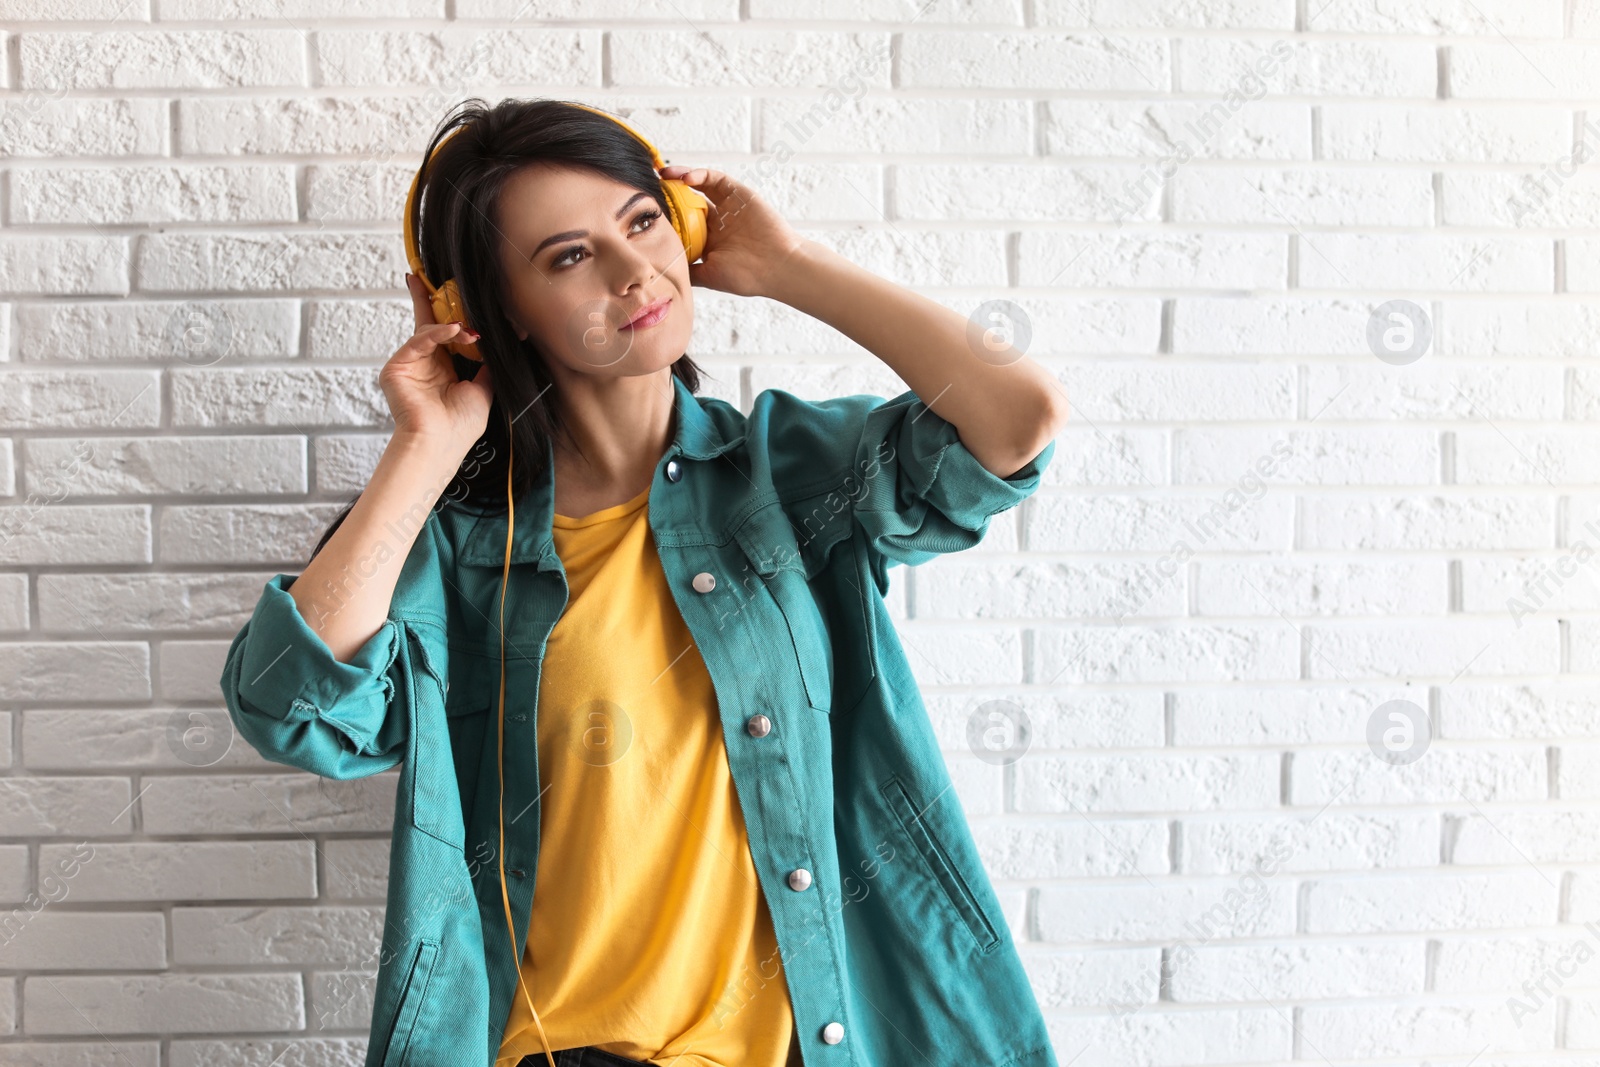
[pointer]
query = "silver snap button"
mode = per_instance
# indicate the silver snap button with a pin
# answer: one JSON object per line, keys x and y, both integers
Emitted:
{"x": 704, "y": 582}
{"x": 674, "y": 470}
{"x": 833, "y": 1033}
{"x": 758, "y": 726}
{"x": 799, "y": 879}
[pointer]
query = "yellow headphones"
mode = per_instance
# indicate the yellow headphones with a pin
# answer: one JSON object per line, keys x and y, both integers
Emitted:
{"x": 687, "y": 210}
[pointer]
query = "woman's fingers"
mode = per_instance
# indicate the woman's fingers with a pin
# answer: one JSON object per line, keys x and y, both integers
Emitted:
{"x": 428, "y": 337}
{"x": 421, "y": 305}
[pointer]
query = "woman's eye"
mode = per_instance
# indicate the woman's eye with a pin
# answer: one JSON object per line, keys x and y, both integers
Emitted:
{"x": 565, "y": 259}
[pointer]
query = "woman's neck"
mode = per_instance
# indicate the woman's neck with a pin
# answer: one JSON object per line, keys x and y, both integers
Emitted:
{"x": 622, "y": 425}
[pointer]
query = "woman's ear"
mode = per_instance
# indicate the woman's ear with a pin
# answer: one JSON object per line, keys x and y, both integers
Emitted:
{"x": 522, "y": 332}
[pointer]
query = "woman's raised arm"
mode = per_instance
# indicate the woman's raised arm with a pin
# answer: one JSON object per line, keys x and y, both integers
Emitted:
{"x": 345, "y": 590}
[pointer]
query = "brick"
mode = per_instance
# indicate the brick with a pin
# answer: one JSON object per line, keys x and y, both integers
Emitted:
{"x": 1528, "y": 329}
{"x": 355, "y": 868}
{"x": 1583, "y": 264}
{"x": 51, "y": 125}
{"x": 1539, "y": 71}
{"x": 1455, "y": 391}
{"x": 1482, "y": 18}
{"x": 266, "y": 534}
{"x": 54, "y": 807}
{"x": 367, "y": 57}
{"x": 1217, "y": 521}
{"x": 1062, "y": 719}
{"x": 362, "y": 330}
{"x": 172, "y": 738}
{"x": 1475, "y": 646}
{"x": 1555, "y": 835}
{"x": 64, "y": 265}
{"x": 1408, "y": 263}
{"x": 1131, "y": 653}
{"x": 748, "y": 58}
{"x": 1158, "y": 260}
{"x": 148, "y": 602}
{"x": 1171, "y": 14}
{"x": 1442, "y": 1028}
{"x": 53, "y": 939}
{"x": 1027, "y": 191}
{"x": 856, "y": 123}
{"x": 189, "y": 59}
{"x": 1147, "y": 782}
{"x": 286, "y": 396}
{"x": 1468, "y": 522}
{"x": 193, "y": 870}
{"x": 1437, "y": 901}
{"x": 201, "y": 332}
{"x": 90, "y": 1053}
{"x": 130, "y": 194}
{"x": 1446, "y": 775}
{"x": 161, "y": 1003}
{"x": 60, "y": 399}
{"x": 1224, "y": 973}
{"x": 1303, "y": 197}
{"x": 16, "y": 875}
{"x": 1542, "y": 708}
{"x": 63, "y": 670}
{"x": 1324, "y": 840}
{"x": 345, "y": 462}
{"x": 269, "y": 1052}
{"x": 252, "y": 261}
{"x": 1446, "y": 132}
{"x": 1200, "y": 129}
{"x": 941, "y": 655}
{"x": 142, "y": 466}
{"x": 1257, "y": 461}
{"x": 266, "y": 804}
{"x": 1300, "y": 67}
{"x": 1301, "y": 588}
{"x": 1190, "y": 910}
{"x": 276, "y": 10}
{"x": 1021, "y": 590}
{"x": 1533, "y": 201}
{"x": 1270, "y": 325}
{"x": 930, "y": 59}
{"x": 284, "y": 935}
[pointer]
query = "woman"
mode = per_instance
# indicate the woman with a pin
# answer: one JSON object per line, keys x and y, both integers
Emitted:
{"x": 708, "y": 747}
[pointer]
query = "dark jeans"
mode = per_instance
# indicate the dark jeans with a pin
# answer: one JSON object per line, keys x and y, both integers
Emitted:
{"x": 587, "y": 1056}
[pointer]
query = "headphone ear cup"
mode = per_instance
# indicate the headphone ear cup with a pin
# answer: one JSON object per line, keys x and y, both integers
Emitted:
{"x": 689, "y": 210}
{"x": 448, "y": 307}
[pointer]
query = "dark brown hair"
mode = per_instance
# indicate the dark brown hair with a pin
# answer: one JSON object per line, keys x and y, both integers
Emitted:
{"x": 456, "y": 220}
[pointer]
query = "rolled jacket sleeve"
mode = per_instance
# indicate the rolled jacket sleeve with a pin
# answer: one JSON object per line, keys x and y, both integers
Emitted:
{"x": 298, "y": 705}
{"x": 913, "y": 487}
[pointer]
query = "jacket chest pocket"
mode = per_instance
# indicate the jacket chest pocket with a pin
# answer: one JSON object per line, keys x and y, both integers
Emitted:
{"x": 783, "y": 597}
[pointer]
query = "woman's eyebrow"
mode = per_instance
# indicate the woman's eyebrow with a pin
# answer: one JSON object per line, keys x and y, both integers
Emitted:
{"x": 569, "y": 235}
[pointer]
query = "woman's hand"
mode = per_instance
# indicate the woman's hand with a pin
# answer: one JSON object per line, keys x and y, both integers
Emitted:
{"x": 426, "y": 398}
{"x": 747, "y": 241}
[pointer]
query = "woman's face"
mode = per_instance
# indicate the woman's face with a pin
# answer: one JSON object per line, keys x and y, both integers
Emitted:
{"x": 583, "y": 255}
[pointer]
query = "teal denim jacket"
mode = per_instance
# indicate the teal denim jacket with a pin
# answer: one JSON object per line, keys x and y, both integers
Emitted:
{"x": 796, "y": 510}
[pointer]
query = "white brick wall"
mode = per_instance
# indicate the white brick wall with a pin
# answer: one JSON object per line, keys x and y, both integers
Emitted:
{"x": 1255, "y": 537}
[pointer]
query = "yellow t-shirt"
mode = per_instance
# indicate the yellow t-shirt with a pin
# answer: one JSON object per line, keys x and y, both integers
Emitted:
{"x": 650, "y": 935}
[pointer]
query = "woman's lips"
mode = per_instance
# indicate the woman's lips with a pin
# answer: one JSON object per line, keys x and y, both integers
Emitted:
{"x": 655, "y": 314}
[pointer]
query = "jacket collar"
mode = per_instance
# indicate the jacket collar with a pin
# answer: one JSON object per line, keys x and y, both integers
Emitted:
{"x": 698, "y": 436}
